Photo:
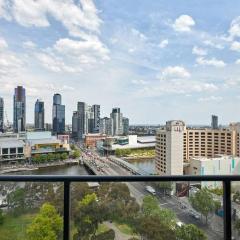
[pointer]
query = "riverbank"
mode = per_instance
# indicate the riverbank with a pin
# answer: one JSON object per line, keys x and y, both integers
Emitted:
{"x": 25, "y": 167}
{"x": 137, "y": 158}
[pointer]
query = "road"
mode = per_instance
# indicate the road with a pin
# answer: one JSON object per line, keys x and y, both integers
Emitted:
{"x": 214, "y": 230}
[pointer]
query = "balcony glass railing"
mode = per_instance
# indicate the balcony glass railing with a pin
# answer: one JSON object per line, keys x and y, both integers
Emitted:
{"x": 120, "y": 207}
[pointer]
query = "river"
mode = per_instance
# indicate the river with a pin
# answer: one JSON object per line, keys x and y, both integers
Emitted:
{"x": 57, "y": 170}
{"x": 147, "y": 165}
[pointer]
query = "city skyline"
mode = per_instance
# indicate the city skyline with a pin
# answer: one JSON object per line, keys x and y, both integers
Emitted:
{"x": 158, "y": 60}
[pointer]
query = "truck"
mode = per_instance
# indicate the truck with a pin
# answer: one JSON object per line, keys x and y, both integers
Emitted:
{"x": 151, "y": 190}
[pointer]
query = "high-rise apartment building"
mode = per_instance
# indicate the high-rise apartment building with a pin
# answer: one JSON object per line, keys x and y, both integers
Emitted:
{"x": 198, "y": 142}
{"x": 1, "y": 114}
{"x": 169, "y": 149}
{"x": 39, "y": 123}
{"x": 214, "y": 123}
{"x": 58, "y": 115}
{"x": 106, "y": 126}
{"x": 79, "y": 125}
{"x": 125, "y": 123}
{"x": 19, "y": 109}
{"x": 96, "y": 117}
{"x": 116, "y": 116}
{"x": 85, "y": 120}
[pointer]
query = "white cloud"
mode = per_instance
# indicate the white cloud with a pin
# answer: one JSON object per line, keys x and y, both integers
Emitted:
{"x": 210, "y": 62}
{"x": 56, "y": 64}
{"x": 234, "y": 30}
{"x": 163, "y": 43}
{"x": 139, "y": 82}
{"x": 176, "y": 86}
{"x": 29, "y": 45}
{"x": 199, "y": 51}
{"x": 175, "y": 72}
{"x": 235, "y": 46}
{"x": 3, "y": 44}
{"x": 94, "y": 48}
{"x": 138, "y": 34}
{"x": 212, "y": 44}
{"x": 210, "y": 99}
{"x": 238, "y": 61}
{"x": 184, "y": 23}
{"x": 10, "y": 64}
{"x": 81, "y": 20}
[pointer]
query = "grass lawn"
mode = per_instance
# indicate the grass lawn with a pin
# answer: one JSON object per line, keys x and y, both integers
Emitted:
{"x": 14, "y": 228}
{"x": 102, "y": 228}
{"x": 124, "y": 229}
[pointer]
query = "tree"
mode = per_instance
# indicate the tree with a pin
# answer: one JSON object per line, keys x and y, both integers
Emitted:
{"x": 150, "y": 207}
{"x": 151, "y": 227}
{"x": 118, "y": 152}
{"x": 203, "y": 202}
{"x": 1, "y": 217}
{"x": 50, "y": 157}
{"x": 87, "y": 216}
{"x": 164, "y": 187}
{"x": 43, "y": 158}
{"x": 108, "y": 235}
{"x": 57, "y": 156}
{"x": 190, "y": 232}
{"x": 47, "y": 225}
{"x": 237, "y": 226}
{"x": 16, "y": 201}
{"x": 76, "y": 154}
{"x": 64, "y": 156}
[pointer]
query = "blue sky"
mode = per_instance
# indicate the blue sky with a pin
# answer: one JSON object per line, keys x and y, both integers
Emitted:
{"x": 157, "y": 60}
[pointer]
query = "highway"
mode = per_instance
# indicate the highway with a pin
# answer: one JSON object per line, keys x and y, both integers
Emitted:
{"x": 103, "y": 166}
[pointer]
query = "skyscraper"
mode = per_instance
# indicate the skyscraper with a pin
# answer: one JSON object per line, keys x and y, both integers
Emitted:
{"x": 58, "y": 115}
{"x": 116, "y": 115}
{"x": 19, "y": 109}
{"x": 1, "y": 114}
{"x": 39, "y": 115}
{"x": 85, "y": 120}
{"x": 79, "y": 121}
{"x": 96, "y": 117}
{"x": 125, "y": 125}
{"x": 106, "y": 126}
{"x": 214, "y": 123}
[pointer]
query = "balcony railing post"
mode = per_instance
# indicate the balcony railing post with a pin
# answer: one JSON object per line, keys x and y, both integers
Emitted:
{"x": 227, "y": 209}
{"x": 66, "y": 218}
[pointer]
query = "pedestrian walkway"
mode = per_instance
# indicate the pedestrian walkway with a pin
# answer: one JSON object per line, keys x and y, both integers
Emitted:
{"x": 118, "y": 234}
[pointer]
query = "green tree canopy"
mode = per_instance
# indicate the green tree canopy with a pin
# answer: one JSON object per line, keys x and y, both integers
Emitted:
{"x": 76, "y": 154}
{"x": 47, "y": 225}
{"x": 87, "y": 216}
{"x": 203, "y": 202}
{"x": 190, "y": 232}
{"x": 152, "y": 227}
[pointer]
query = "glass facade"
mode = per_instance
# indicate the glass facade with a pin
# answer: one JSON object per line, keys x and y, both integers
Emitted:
{"x": 1, "y": 114}
{"x": 19, "y": 109}
{"x": 39, "y": 115}
{"x": 58, "y": 114}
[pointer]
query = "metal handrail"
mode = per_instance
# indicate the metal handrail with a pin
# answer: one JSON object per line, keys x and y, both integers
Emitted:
{"x": 226, "y": 179}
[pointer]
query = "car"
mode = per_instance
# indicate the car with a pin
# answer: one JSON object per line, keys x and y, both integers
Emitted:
{"x": 194, "y": 215}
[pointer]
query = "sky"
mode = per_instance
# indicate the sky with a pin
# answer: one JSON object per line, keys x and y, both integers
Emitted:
{"x": 156, "y": 60}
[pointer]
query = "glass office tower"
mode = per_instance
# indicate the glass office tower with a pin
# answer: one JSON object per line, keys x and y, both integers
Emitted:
{"x": 19, "y": 109}
{"x": 58, "y": 115}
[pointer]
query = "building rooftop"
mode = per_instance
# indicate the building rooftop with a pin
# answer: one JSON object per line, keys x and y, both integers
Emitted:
{"x": 44, "y": 141}
{"x": 11, "y": 142}
{"x": 146, "y": 139}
